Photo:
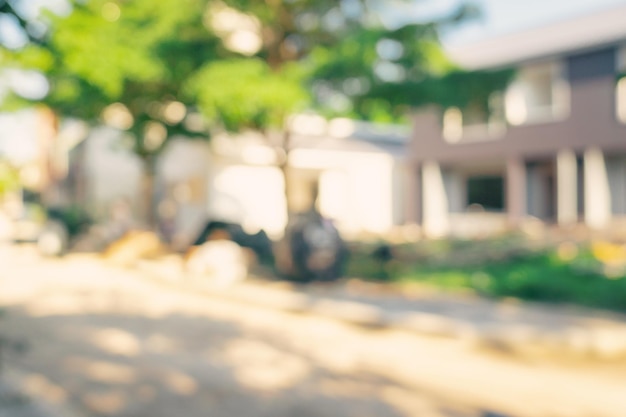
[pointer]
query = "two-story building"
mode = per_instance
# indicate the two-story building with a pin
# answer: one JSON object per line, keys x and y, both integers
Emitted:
{"x": 552, "y": 146}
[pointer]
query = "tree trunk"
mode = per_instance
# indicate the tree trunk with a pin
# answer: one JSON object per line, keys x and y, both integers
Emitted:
{"x": 47, "y": 132}
{"x": 284, "y": 168}
{"x": 148, "y": 208}
{"x": 78, "y": 173}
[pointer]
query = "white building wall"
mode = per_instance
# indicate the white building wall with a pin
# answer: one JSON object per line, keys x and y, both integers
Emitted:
{"x": 250, "y": 195}
{"x": 361, "y": 190}
{"x": 372, "y": 180}
{"x": 334, "y": 195}
{"x": 183, "y": 170}
{"x": 368, "y": 201}
{"x": 112, "y": 173}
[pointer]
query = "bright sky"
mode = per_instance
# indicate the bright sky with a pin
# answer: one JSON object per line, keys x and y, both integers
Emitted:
{"x": 499, "y": 16}
{"x": 505, "y": 16}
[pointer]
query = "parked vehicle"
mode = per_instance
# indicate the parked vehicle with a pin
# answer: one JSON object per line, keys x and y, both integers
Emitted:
{"x": 311, "y": 249}
{"x": 259, "y": 242}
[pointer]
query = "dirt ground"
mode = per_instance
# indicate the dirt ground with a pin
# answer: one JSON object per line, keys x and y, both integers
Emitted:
{"x": 107, "y": 342}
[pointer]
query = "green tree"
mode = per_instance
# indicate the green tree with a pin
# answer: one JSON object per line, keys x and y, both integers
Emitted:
{"x": 124, "y": 64}
{"x": 144, "y": 65}
{"x": 246, "y": 93}
{"x": 337, "y": 57}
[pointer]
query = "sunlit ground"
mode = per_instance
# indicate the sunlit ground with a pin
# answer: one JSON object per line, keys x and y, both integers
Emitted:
{"x": 109, "y": 343}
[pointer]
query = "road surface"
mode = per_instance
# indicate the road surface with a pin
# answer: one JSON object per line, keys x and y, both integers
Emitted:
{"x": 108, "y": 342}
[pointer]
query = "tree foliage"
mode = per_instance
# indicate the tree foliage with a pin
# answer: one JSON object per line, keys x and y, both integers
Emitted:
{"x": 147, "y": 66}
{"x": 350, "y": 63}
{"x": 133, "y": 55}
{"x": 336, "y": 56}
{"x": 246, "y": 93}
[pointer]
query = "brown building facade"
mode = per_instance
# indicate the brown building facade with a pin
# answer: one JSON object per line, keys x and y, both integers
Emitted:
{"x": 552, "y": 146}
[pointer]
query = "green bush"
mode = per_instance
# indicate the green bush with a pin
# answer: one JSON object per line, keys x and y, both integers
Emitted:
{"x": 74, "y": 218}
{"x": 497, "y": 268}
{"x": 540, "y": 276}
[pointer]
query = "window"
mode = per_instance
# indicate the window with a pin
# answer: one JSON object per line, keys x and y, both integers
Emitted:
{"x": 475, "y": 122}
{"x": 540, "y": 93}
{"x": 486, "y": 191}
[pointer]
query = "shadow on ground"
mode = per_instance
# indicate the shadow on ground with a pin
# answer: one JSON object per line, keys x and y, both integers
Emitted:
{"x": 136, "y": 366}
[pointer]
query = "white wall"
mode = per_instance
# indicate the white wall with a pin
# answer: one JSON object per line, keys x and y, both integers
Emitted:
{"x": 334, "y": 194}
{"x": 251, "y": 195}
{"x": 115, "y": 173}
{"x": 372, "y": 182}
{"x": 112, "y": 172}
{"x": 356, "y": 188}
{"x": 183, "y": 173}
{"x": 362, "y": 191}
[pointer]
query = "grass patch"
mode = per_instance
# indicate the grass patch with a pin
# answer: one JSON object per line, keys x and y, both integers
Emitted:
{"x": 498, "y": 269}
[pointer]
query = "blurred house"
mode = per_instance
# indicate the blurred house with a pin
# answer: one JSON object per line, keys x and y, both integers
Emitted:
{"x": 552, "y": 146}
{"x": 105, "y": 172}
{"x": 107, "y": 178}
{"x": 356, "y": 169}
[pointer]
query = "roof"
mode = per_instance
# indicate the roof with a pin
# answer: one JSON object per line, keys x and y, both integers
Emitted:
{"x": 583, "y": 33}
{"x": 357, "y": 136}
{"x": 351, "y": 144}
{"x": 342, "y": 135}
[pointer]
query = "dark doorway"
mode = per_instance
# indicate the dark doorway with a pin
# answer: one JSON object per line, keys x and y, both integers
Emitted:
{"x": 487, "y": 191}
